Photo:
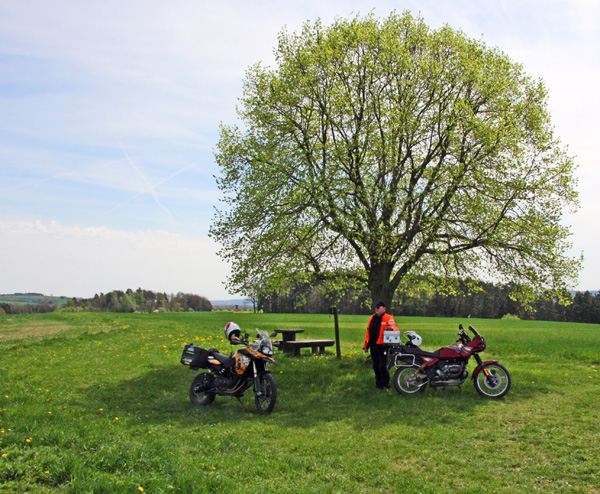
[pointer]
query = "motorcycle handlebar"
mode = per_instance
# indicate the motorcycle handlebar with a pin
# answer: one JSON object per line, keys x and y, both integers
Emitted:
{"x": 463, "y": 337}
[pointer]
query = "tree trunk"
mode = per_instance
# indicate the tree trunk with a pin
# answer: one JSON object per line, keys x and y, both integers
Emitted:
{"x": 380, "y": 287}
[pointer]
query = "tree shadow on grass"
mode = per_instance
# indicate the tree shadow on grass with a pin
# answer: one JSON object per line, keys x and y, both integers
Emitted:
{"x": 310, "y": 390}
{"x": 347, "y": 389}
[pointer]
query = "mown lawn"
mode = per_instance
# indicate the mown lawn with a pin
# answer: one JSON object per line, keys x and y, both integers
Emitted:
{"x": 98, "y": 403}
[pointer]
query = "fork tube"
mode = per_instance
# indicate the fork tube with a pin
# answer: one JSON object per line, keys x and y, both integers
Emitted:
{"x": 480, "y": 362}
{"x": 257, "y": 389}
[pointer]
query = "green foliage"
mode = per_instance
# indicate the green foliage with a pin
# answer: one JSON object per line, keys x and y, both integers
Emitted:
{"x": 140, "y": 301}
{"x": 431, "y": 297}
{"x": 101, "y": 406}
{"x": 383, "y": 148}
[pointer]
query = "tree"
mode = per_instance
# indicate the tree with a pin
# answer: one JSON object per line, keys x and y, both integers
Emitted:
{"x": 384, "y": 148}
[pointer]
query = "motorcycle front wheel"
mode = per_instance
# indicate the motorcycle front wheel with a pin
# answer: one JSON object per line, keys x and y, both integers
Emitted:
{"x": 197, "y": 394}
{"x": 406, "y": 380}
{"x": 265, "y": 392}
{"x": 495, "y": 384}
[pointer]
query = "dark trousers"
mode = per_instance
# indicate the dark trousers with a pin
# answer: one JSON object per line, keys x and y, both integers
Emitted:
{"x": 379, "y": 358}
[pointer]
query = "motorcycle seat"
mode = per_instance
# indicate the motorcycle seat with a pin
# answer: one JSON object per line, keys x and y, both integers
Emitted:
{"x": 224, "y": 359}
{"x": 411, "y": 350}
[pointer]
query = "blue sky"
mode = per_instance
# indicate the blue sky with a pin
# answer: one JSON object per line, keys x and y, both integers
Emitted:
{"x": 110, "y": 113}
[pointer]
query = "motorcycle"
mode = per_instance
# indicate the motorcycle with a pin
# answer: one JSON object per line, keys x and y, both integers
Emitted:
{"x": 415, "y": 368}
{"x": 233, "y": 375}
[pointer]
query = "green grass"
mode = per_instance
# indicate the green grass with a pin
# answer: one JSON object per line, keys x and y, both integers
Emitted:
{"x": 30, "y": 299}
{"x": 98, "y": 403}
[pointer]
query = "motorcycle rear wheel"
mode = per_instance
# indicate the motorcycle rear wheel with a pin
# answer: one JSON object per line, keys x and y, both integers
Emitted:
{"x": 265, "y": 392}
{"x": 408, "y": 373}
{"x": 494, "y": 385}
{"x": 197, "y": 396}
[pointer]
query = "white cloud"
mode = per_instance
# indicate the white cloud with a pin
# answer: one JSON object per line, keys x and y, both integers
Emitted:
{"x": 70, "y": 260}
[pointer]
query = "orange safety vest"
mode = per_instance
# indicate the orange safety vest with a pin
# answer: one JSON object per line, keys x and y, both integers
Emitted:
{"x": 387, "y": 323}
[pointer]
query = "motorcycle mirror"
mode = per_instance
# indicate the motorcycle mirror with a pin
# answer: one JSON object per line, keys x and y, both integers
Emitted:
{"x": 273, "y": 335}
{"x": 460, "y": 326}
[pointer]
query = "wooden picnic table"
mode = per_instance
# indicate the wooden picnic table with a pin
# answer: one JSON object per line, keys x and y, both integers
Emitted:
{"x": 288, "y": 335}
{"x": 290, "y": 344}
{"x": 295, "y": 346}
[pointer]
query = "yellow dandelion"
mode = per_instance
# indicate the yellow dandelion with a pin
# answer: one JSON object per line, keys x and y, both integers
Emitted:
{"x": 116, "y": 418}
{"x": 141, "y": 489}
{"x": 101, "y": 409}
{"x": 4, "y": 455}
{"x": 28, "y": 440}
{"x": 46, "y": 473}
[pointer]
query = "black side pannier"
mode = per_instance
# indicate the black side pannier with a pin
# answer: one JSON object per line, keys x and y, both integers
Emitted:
{"x": 195, "y": 357}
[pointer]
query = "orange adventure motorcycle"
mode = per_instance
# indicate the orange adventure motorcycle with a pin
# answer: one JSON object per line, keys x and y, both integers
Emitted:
{"x": 233, "y": 375}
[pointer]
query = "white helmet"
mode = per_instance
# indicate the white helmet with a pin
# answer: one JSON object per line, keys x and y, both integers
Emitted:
{"x": 232, "y": 329}
{"x": 413, "y": 338}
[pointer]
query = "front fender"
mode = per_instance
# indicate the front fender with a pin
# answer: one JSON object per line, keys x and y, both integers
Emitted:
{"x": 483, "y": 364}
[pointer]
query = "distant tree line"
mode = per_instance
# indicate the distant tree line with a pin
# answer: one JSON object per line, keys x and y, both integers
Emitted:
{"x": 6, "y": 308}
{"x": 119, "y": 301}
{"x": 462, "y": 298}
{"x": 140, "y": 301}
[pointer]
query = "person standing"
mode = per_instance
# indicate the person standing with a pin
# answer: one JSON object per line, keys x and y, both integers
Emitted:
{"x": 378, "y": 323}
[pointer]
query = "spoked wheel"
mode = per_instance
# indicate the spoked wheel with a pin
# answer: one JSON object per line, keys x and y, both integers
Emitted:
{"x": 492, "y": 380}
{"x": 197, "y": 394}
{"x": 265, "y": 392}
{"x": 408, "y": 380}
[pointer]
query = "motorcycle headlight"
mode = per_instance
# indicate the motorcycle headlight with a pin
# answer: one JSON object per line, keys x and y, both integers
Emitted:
{"x": 267, "y": 351}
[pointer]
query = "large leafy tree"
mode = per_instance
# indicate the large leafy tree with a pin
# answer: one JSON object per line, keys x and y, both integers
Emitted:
{"x": 384, "y": 148}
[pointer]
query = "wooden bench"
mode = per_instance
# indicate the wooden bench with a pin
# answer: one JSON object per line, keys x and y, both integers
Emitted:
{"x": 296, "y": 345}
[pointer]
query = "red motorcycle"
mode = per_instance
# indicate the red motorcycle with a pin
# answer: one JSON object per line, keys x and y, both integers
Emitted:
{"x": 415, "y": 368}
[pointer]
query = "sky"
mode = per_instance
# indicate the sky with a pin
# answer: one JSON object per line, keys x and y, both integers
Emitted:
{"x": 110, "y": 114}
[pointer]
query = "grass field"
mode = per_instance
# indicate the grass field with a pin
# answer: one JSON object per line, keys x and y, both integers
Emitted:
{"x": 98, "y": 403}
{"x": 32, "y": 299}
